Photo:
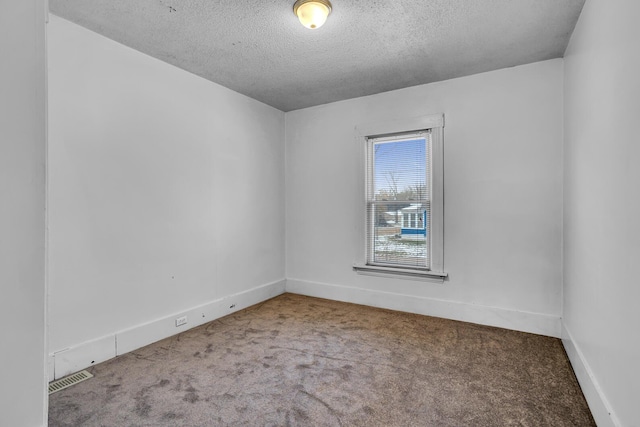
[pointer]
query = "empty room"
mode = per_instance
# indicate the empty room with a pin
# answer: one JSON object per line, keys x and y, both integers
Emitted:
{"x": 319, "y": 213}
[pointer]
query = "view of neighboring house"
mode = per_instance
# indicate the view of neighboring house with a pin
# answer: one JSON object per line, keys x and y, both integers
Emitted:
{"x": 410, "y": 221}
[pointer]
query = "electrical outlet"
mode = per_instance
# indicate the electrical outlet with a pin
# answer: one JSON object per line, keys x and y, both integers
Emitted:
{"x": 181, "y": 321}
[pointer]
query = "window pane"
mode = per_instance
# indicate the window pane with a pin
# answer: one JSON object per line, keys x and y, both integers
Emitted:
{"x": 399, "y": 201}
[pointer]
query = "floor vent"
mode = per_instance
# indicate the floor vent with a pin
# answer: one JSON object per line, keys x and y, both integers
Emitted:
{"x": 65, "y": 382}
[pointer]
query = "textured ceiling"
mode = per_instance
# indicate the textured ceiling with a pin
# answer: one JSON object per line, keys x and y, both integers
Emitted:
{"x": 259, "y": 48}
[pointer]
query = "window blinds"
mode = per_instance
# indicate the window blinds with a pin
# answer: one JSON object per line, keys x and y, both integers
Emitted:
{"x": 398, "y": 198}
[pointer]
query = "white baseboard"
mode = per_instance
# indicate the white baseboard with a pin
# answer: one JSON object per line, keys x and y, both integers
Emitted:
{"x": 598, "y": 403}
{"x": 537, "y": 323}
{"x": 141, "y": 335}
{"x": 86, "y": 354}
{"x": 82, "y": 356}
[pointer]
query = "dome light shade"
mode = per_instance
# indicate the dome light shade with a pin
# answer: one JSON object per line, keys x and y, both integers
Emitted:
{"x": 312, "y": 13}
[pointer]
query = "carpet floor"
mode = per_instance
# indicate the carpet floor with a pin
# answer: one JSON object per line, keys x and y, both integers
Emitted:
{"x": 300, "y": 361}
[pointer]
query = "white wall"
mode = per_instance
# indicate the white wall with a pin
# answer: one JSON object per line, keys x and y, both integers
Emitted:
{"x": 602, "y": 208}
{"x": 22, "y": 214}
{"x": 166, "y": 192}
{"x": 503, "y": 199}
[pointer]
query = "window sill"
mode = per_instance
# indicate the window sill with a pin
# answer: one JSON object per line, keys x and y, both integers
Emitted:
{"x": 402, "y": 273}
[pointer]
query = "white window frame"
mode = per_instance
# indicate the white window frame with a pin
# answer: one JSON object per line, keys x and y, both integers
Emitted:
{"x": 435, "y": 124}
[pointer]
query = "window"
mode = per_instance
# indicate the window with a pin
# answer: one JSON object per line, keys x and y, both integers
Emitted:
{"x": 403, "y": 212}
{"x": 398, "y": 184}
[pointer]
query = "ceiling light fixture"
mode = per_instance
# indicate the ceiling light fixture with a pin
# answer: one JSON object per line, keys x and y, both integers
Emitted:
{"x": 312, "y": 13}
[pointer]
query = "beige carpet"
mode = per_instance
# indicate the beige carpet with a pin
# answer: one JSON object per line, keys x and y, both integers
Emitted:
{"x": 300, "y": 361}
